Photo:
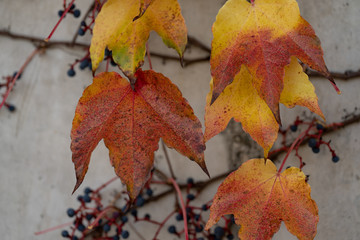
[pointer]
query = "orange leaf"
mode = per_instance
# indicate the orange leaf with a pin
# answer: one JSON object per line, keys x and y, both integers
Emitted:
{"x": 263, "y": 36}
{"x": 241, "y": 101}
{"x": 116, "y": 28}
{"x": 260, "y": 198}
{"x": 131, "y": 123}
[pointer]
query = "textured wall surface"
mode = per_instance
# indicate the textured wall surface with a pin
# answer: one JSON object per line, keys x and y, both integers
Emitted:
{"x": 37, "y": 175}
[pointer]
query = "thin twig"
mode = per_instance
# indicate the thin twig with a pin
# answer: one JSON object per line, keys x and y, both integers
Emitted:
{"x": 177, "y": 188}
{"x": 83, "y": 19}
{"x": 28, "y": 60}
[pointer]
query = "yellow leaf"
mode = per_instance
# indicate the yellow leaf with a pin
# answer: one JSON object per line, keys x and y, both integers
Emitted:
{"x": 116, "y": 29}
{"x": 241, "y": 101}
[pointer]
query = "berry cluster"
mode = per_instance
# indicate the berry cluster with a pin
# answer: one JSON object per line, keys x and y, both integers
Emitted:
{"x": 92, "y": 219}
{"x": 196, "y": 221}
{"x": 312, "y": 135}
{"x": 73, "y": 11}
{"x": 6, "y": 85}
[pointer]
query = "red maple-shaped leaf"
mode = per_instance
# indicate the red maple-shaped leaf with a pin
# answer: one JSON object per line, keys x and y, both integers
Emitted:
{"x": 260, "y": 198}
{"x": 131, "y": 123}
{"x": 263, "y": 36}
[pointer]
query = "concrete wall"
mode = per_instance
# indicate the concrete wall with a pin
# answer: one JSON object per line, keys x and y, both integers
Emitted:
{"x": 37, "y": 175}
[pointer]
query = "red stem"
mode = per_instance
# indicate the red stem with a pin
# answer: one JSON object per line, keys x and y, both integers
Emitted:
{"x": 148, "y": 55}
{"x": 290, "y": 149}
{"x": 28, "y": 60}
{"x": 53, "y": 228}
{"x": 162, "y": 224}
{"x": 176, "y": 186}
{"x": 61, "y": 18}
{"x": 105, "y": 184}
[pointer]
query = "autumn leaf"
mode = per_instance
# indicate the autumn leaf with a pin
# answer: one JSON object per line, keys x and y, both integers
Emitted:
{"x": 116, "y": 29}
{"x": 144, "y": 4}
{"x": 260, "y": 198}
{"x": 241, "y": 101}
{"x": 131, "y": 123}
{"x": 262, "y": 36}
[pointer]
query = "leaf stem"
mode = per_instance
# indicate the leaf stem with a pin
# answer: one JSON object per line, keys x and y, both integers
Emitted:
{"x": 298, "y": 140}
{"x": 177, "y": 188}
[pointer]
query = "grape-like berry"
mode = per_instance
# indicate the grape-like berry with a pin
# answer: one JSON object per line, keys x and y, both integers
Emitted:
{"x": 70, "y": 212}
{"x": 77, "y": 13}
{"x": 106, "y": 228}
{"x": 319, "y": 126}
{"x": 219, "y": 232}
{"x": 293, "y": 128}
{"x": 315, "y": 149}
{"x": 312, "y": 142}
{"x": 125, "y": 234}
{"x": 71, "y": 72}
{"x": 81, "y": 32}
{"x": 190, "y": 197}
{"x": 172, "y": 229}
{"x": 65, "y": 234}
{"x": 335, "y": 159}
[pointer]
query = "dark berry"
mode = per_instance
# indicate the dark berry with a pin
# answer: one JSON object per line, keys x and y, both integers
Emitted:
{"x": 72, "y": 7}
{"x": 204, "y": 207}
{"x": 315, "y": 149}
{"x": 190, "y": 181}
{"x": 76, "y": 13}
{"x": 190, "y": 197}
{"x": 74, "y": 238}
{"x": 114, "y": 64}
{"x": 293, "y": 128}
{"x": 172, "y": 229}
{"x": 83, "y": 23}
{"x": 60, "y": 13}
{"x": 319, "y": 126}
{"x": 70, "y": 212}
{"x": 81, "y": 227}
{"x": 124, "y": 219}
{"x": 179, "y": 217}
{"x": 65, "y": 233}
{"x": 89, "y": 216}
{"x": 87, "y": 190}
{"x": 81, "y": 32}
{"x": 125, "y": 234}
{"x": 199, "y": 228}
{"x": 230, "y": 237}
{"x": 115, "y": 238}
{"x": 87, "y": 198}
{"x": 149, "y": 192}
{"x": 335, "y": 159}
{"x": 11, "y": 108}
{"x": 312, "y": 142}
{"x": 133, "y": 212}
{"x": 15, "y": 75}
{"x": 140, "y": 201}
{"x": 107, "y": 52}
{"x": 200, "y": 238}
{"x": 219, "y": 232}
{"x": 197, "y": 217}
{"x": 188, "y": 209}
{"x": 106, "y": 228}
{"x": 80, "y": 198}
{"x": 71, "y": 72}
{"x": 147, "y": 216}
